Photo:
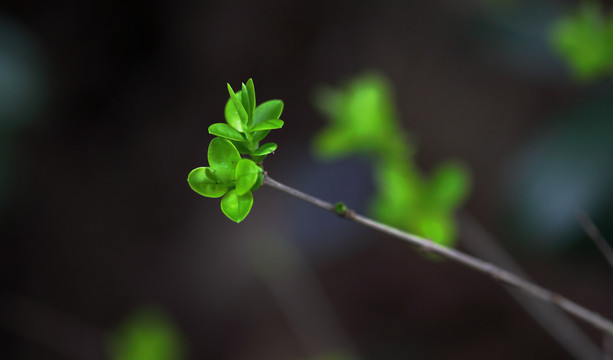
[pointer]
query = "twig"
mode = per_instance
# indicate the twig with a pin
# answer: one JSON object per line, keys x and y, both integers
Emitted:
{"x": 593, "y": 233}
{"x": 482, "y": 244}
{"x": 590, "y": 317}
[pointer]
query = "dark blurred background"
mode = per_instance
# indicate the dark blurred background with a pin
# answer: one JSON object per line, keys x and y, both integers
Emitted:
{"x": 104, "y": 108}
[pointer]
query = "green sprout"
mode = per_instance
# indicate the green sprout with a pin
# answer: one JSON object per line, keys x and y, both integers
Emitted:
{"x": 340, "y": 208}
{"x": 229, "y": 174}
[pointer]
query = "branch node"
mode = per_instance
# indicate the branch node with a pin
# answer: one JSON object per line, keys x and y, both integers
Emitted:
{"x": 425, "y": 249}
{"x": 504, "y": 276}
{"x": 343, "y": 211}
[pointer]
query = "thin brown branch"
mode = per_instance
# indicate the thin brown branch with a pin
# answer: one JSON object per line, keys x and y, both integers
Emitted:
{"x": 593, "y": 233}
{"x": 559, "y": 325}
{"x": 594, "y": 319}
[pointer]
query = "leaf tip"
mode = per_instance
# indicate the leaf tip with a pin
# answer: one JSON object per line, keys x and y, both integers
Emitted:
{"x": 230, "y": 90}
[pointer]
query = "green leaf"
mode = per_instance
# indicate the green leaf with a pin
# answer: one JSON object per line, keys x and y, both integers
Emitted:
{"x": 336, "y": 142}
{"x": 232, "y": 117}
{"x": 362, "y": 119}
{"x": 223, "y": 158}
{"x": 257, "y": 136}
{"x": 265, "y": 149}
{"x": 242, "y": 147}
{"x": 439, "y": 228}
{"x": 267, "y": 125}
{"x": 258, "y": 182}
{"x": 399, "y": 191}
{"x": 268, "y": 110}
{"x": 235, "y": 206}
{"x": 226, "y": 131}
{"x": 251, "y": 93}
{"x": 246, "y": 104}
{"x": 242, "y": 113}
{"x": 449, "y": 185}
{"x": 246, "y": 175}
{"x": 204, "y": 181}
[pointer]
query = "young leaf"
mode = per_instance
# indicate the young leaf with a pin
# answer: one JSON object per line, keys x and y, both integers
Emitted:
{"x": 265, "y": 149}
{"x": 242, "y": 147}
{"x": 246, "y": 176}
{"x": 226, "y": 131}
{"x": 223, "y": 158}
{"x": 242, "y": 113}
{"x": 439, "y": 228}
{"x": 257, "y": 136}
{"x": 258, "y": 182}
{"x": 232, "y": 117}
{"x": 363, "y": 119}
{"x": 449, "y": 185}
{"x": 235, "y": 206}
{"x": 203, "y": 181}
{"x": 251, "y": 94}
{"x": 246, "y": 103}
{"x": 266, "y": 111}
{"x": 267, "y": 125}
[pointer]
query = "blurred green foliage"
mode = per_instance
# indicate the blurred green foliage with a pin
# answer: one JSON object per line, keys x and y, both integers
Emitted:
{"x": 148, "y": 334}
{"x": 362, "y": 120}
{"x": 584, "y": 38}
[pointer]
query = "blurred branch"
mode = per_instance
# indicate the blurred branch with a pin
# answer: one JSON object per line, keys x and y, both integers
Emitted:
{"x": 506, "y": 277}
{"x": 593, "y": 233}
{"x": 300, "y": 296}
{"x": 481, "y": 243}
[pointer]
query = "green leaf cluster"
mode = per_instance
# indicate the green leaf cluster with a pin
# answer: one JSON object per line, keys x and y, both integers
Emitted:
{"x": 584, "y": 38}
{"x": 229, "y": 174}
{"x": 362, "y": 120}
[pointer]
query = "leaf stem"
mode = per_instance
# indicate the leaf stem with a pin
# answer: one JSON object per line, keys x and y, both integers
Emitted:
{"x": 497, "y": 273}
